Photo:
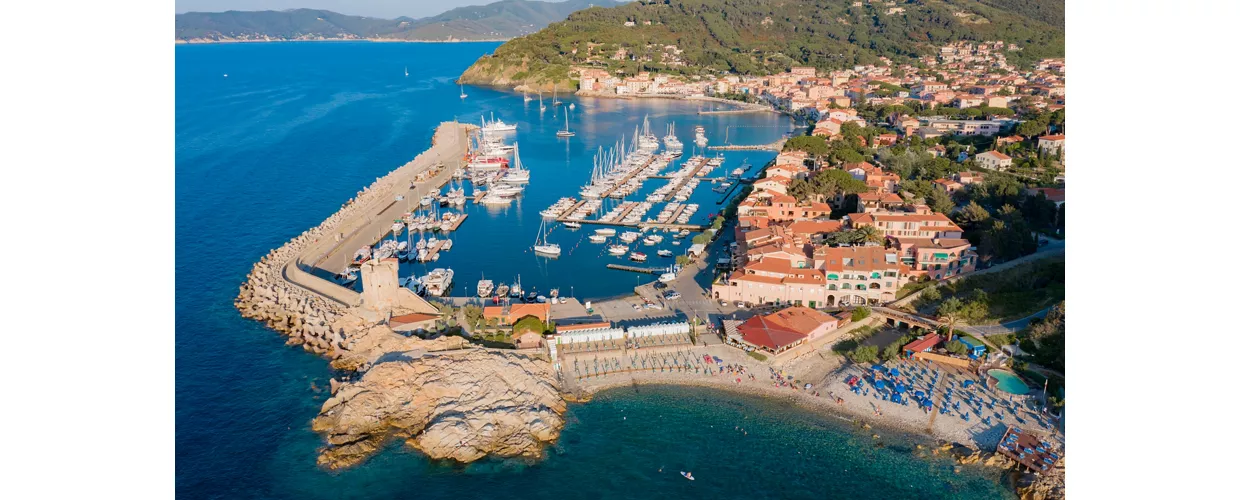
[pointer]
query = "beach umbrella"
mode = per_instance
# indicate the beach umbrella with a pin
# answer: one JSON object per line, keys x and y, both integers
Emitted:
{"x": 919, "y": 394}
{"x": 900, "y": 388}
{"x": 895, "y": 373}
{"x": 879, "y": 384}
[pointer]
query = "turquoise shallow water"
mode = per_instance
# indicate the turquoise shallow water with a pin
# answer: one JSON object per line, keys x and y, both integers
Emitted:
{"x": 297, "y": 128}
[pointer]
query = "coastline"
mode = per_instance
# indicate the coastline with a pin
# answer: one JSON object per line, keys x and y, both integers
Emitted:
{"x": 204, "y": 41}
{"x": 741, "y": 106}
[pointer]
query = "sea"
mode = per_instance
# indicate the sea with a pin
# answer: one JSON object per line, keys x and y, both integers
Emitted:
{"x": 271, "y": 138}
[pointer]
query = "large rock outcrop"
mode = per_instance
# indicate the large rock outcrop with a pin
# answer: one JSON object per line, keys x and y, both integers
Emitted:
{"x": 460, "y": 405}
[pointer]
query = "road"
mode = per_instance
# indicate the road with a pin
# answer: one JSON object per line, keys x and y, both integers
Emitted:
{"x": 1004, "y": 328}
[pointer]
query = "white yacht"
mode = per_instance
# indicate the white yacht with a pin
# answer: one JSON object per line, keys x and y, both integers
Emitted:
{"x": 438, "y": 281}
{"x": 497, "y": 125}
{"x": 699, "y": 137}
{"x": 671, "y": 141}
{"x": 617, "y": 249}
{"x": 607, "y": 231}
{"x": 597, "y": 238}
{"x": 629, "y": 236}
{"x": 516, "y": 173}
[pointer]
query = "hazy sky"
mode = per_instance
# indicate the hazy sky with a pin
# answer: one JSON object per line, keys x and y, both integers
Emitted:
{"x": 374, "y": 8}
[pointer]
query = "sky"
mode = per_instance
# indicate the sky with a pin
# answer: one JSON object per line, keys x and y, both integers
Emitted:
{"x": 374, "y": 8}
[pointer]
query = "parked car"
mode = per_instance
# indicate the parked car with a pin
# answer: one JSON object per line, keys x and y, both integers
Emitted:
{"x": 741, "y": 305}
{"x": 723, "y": 303}
{"x": 671, "y": 295}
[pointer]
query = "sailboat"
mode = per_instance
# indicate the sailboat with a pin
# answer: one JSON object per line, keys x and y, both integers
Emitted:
{"x": 463, "y": 94}
{"x": 526, "y": 96}
{"x": 541, "y": 246}
{"x": 406, "y": 71}
{"x": 555, "y": 95}
{"x": 541, "y": 106}
{"x": 566, "y": 132}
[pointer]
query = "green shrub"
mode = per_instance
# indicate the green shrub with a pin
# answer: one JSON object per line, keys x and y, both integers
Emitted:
{"x": 860, "y": 313}
{"x": 864, "y": 354}
{"x": 528, "y": 324}
{"x": 957, "y": 347}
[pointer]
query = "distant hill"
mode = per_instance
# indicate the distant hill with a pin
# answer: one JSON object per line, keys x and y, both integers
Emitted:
{"x": 765, "y": 36}
{"x": 496, "y": 21}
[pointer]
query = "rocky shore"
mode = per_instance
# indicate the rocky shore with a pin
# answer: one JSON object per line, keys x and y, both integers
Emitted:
{"x": 460, "y": 405}
{"x": 443, "y": 396}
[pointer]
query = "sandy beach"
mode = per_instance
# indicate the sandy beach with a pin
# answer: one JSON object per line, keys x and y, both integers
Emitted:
{"x": 826, "y": 373}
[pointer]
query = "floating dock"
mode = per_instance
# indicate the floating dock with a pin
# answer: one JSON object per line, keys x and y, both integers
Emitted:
{"x": 635, "y": 269}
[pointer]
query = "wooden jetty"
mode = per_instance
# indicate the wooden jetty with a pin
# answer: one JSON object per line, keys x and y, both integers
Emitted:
{"x": 635, "y": 269}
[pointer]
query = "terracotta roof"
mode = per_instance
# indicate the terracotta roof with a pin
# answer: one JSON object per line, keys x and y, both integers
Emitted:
{"x": 761, "y": 332}
{"x": 1052, "y": 138}
{"x": 581, "y": 326}
{"x": 799, "y": 319}
{"x": 924, "y": 344}
{"x": 406, "y": 319}
{"x": 996, "y": 155}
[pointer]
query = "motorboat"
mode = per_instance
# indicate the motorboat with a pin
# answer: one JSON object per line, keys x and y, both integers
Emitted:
{"x": 438, "y": 281}
{"x": 516, "y": 290}
{"x": 573, "y": 225}
{"x": 494, "y": 199}
{"x": 346, "y": 277}
{"x": 638, "y": 256}
{"x": 485, "y": 287}
{"x": 607, "y": 231}
{"x": 617, "y": 249}
{"x": 497, "y": 125}
{"x": 597, "y": 238}
{"x": 629, "y": 236}
{"x": 664, "y": 253}
{"x": 501, "y": 291}
{"x": 699, "y": 136}
{"x": 413, "y": 284}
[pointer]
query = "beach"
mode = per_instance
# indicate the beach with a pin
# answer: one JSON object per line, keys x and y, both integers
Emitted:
{"x": 826, "y": 373}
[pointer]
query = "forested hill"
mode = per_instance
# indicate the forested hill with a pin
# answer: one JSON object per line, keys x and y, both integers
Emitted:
{"x": 500, "y": 20}
{"x": 767, "y": 36}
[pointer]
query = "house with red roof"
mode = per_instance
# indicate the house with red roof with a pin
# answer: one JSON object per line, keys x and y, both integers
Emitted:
{"x": 785, "y": 329}
{"x": 924, "y": 344}
{"x": 993, "y": 160}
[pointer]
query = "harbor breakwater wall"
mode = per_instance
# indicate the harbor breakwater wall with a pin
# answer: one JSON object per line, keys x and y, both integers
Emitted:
{"x": 281, "y": 292}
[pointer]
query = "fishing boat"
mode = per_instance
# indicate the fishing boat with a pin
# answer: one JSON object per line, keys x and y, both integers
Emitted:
{"x": 413, "y": 284}
{"x": 516, "y": 288}
{"x": 638, "y": 256}
{"x": 566, "y": 132}
{"x": 664, "y": 253}
{"x": 617, "y": 249}
{"x": 597, "y": 238}
{"x": 463, "y": 94}
{"x": 485, "y": 287}
{"x": 607, "y": 231}
{"x": 346, "y": 277}
{"x": 542, "y": 246}
{"x": 501, "y": 291}
{"x": 571, "y": 224}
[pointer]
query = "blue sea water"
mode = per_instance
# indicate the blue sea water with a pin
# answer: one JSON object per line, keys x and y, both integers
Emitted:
{"x": 294, "y": 130}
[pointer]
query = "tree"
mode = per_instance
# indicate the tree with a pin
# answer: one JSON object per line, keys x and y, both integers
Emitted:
{"x": 864, "y": 354}
{"x": 528, "y": 324}
{"x": 957, "y": 347}
{"x": 972, "y": 215}
{"x": 860, "y": 313}
{"x": 948, "y": 310}
{"x": 940, "y": 201}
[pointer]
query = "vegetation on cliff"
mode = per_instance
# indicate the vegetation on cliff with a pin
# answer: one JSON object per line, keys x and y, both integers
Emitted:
{"x": 760, "y": 37}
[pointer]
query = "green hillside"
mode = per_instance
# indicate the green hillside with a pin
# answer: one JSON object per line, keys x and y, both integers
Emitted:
{"x": 499, "y": 20}
{"x": 765, "y": 36}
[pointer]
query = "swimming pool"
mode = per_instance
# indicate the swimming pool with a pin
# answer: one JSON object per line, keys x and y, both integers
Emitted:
{"x": 1009, "y": 382}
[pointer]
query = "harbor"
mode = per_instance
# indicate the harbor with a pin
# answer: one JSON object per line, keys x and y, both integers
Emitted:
{"x": 484, "y": 172}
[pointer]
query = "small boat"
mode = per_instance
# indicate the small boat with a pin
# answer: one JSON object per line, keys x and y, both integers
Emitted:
{"x": 485, "y": 287}
{"x": 516, "y": 289}
{"x": 638, "y": 256}
{"x": 541, "y": 299}
{"x": 541, "y": 106}
{"x": 597, "y": 238}
{"x": 526, "y": 97}
{"x": 687, "y": 475}
{"x": 346, "y": 277}
{"x": 607, "y": 231}
{"x": 406, "y": 71}
{"x": 665, "y": 253}
{"x": 572, "y": 105}
{"x": 463, "y": 94}
{"x": 501, "y": 291}
{"x": 617, "y": 249}
{"x": 574, "y": 225}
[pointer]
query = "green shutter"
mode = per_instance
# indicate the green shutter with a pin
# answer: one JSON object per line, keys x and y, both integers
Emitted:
{"x": 876, "y": 275}
{"x": 833, "y": 276}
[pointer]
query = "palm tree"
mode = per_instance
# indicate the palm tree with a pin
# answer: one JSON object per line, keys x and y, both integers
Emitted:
{"x": 950, "y": 310}
{"x": 868, "y": 234}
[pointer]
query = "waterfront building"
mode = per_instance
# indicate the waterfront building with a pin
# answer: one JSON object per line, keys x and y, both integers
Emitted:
{"x": 783, "y": 330}
{"x": 834, "y": 276}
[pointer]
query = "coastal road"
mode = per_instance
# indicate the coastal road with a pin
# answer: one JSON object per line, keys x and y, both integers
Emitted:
{"x": 1004, "y": 328}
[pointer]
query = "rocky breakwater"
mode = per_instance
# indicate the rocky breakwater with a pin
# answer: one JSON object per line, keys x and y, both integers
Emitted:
{"x": 460, "y": 405}
{"x": 306, "y": 317}
{"x": 1027, "y": 485}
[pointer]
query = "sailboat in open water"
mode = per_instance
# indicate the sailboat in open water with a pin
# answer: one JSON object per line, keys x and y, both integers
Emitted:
{"x": 542, "y": 246}
{"x": 566, "y": 132}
